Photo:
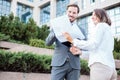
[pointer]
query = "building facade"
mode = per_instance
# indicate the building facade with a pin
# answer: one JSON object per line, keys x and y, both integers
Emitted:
{"x": 42, "y": 11}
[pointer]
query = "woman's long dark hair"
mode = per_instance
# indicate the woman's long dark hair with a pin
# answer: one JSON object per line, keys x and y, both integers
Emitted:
{"x": 102, "y": 15}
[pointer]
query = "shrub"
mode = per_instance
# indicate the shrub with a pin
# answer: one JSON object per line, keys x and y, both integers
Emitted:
{"x": 4, "y": 37}
{"x": 17, "y": 30}
{"x": 39, "y": 43}
{"x": 84, "y": 67}
{"x": 118, "y": 71}
{"x": 31, "y": 31}
{"x": 28, "y": 62}
{"x": 117, "y": 45}
{"x": 43, "y": 32}
{"x": 24, "y": 62}
{"x": 116, "y": 55}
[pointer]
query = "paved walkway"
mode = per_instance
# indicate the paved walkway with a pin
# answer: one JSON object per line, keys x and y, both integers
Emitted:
{"x": 13, "y": 47}
{"x": 47, "y": 77}
{"x": 29, "y": 76}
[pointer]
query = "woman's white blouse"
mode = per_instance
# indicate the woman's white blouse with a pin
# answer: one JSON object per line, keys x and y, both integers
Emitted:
{"x": 100, "y": 45}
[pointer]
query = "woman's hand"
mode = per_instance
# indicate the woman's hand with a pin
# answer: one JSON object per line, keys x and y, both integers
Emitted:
{"x": 75, "y": 51}
{"x": 68, "y": 37}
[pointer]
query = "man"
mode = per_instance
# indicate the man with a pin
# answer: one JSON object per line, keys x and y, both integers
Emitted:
{"x": 64, "y": 64}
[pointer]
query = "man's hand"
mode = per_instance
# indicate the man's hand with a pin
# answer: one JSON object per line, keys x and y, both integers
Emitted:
{"x": 68, "y": 37}
{"x": 75, "y": 51}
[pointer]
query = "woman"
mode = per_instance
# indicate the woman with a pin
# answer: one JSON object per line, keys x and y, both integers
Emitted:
{"x": 100, "y": 46}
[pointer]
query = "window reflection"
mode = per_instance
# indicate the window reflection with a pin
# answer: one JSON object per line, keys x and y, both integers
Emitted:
{"x": 115, "y": 17}
{"x": 61, "y": 7}
{"x": 5, "y": 7}
{"x": 45, "y": 14}
{"x": 24, "y": 12}
{"x": 30, "y": 0}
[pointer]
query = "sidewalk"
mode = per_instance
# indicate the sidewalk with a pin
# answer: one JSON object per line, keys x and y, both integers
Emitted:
{"x": 30, "y": 76}
{"x": 13, "y": 47}
{"x": 47, "y": 77}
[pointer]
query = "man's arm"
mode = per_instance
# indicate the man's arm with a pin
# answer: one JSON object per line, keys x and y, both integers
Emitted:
{"x": 50, "y": 39}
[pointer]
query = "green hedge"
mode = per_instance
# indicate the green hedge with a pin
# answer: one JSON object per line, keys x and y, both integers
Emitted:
{"x": 40, "y": 43}
{"x": 116, "y": 48}
{"x": 84, "y": 67}
{"x": 4, "y": 37}
{"x": 28, "y": 62}
{"x": 116, "y": 55}
{"x": 118, "y": 71}
{"x": 117, "y": 45}
{"x": 24, "y": 62}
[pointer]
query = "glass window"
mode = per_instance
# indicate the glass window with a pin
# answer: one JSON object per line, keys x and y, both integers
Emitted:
{"x": 84, "y": 23}
{"x": 118, "y": 30}
{"x": 30, "y": 0}
{"x": 117, "y": 10}
{"x": 83, "y": 5}
{"x": 92, "y": 1}
{"x": 5, "y": 7}
{"x": 61, "y": 7}
{"x": 111, "y": 12}
{"x": 112, "y": 18}
{"x": 117, "y": 17}
{"x": 45, "y": 14}
{"x": 1, "y": 2}
{"x": 117, "y": 23}
{"x": 24, "y": 12}
{"x": 114, "y": 14}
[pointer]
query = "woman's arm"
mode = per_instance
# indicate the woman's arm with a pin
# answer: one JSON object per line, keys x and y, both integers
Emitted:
{"x": 89, "y": 44}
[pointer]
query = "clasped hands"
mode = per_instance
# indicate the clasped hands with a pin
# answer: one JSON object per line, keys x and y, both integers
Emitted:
{"x": 73, "y": 49}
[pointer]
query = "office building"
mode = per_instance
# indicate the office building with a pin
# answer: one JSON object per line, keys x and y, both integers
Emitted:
{"x": 42, "y": 11}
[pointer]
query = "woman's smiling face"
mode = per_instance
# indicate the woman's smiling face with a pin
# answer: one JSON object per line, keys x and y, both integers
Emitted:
{"x": 95, "y": 19}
